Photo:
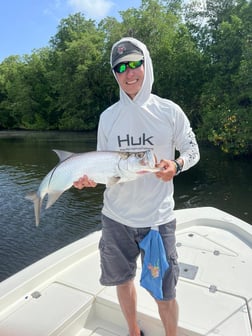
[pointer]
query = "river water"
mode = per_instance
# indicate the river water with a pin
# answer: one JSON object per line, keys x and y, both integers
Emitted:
{"x": 26, "y": 157}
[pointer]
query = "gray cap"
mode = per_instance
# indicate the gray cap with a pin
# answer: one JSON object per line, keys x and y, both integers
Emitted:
{"x": 125, "y": 52}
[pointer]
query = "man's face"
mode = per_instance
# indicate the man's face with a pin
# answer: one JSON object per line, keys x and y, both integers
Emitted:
{"x": 131, "y": 80}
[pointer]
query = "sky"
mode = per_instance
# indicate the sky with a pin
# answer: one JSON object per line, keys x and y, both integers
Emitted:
{"x": 27, "y": 25}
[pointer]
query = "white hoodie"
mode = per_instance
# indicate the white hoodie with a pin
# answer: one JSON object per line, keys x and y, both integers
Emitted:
{"x": 146, "y": 122}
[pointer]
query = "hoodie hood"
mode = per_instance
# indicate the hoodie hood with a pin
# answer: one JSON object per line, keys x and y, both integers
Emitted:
{"x": 145, "y": 91}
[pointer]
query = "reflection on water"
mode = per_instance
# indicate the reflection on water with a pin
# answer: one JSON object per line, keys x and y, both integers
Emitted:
{"x": 26, "y": 157}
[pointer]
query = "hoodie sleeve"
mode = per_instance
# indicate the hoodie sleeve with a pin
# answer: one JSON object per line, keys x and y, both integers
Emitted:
{"x": 101, "y": 138}
{"x": 185, "y": 141}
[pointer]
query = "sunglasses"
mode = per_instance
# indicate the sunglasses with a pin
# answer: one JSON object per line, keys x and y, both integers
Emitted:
{"x": 122, "y": 67}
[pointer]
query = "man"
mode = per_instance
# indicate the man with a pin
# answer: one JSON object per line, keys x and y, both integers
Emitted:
{"x": 139, "y": 121}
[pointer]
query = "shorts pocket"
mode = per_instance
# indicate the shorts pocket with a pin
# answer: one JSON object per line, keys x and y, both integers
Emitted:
{"x": 173, "y": 262}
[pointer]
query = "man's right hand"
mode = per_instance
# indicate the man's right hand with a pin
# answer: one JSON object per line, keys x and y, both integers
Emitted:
{"x": 84, "y": 182}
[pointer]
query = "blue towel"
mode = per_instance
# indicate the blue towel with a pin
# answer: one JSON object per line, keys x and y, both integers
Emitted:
{"x": 155, "y": 263}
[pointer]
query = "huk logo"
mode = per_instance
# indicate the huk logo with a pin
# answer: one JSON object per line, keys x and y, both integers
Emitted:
{"x": 131, "y": 141}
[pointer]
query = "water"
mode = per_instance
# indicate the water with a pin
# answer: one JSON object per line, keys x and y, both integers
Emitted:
{"x": 26, "y": 157}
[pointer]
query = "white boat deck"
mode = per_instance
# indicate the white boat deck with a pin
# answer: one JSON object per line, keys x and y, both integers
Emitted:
{"x": 61, "y": 294}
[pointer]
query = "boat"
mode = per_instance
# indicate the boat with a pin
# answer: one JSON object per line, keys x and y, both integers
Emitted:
{"x": 60, "y": 295}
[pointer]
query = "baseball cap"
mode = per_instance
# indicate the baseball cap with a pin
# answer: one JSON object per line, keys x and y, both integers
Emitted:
{"x": 125, "y": 52}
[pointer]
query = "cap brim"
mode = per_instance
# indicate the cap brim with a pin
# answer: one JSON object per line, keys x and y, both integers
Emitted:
{"x": 128, "y": 58}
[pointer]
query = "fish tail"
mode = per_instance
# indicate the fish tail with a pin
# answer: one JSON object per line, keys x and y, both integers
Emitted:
{"x": 37, "y": 201}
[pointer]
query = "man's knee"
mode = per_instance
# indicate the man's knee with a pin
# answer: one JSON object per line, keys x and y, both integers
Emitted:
{"x": 167, "y": 304}
{"x": 126, "y": 285}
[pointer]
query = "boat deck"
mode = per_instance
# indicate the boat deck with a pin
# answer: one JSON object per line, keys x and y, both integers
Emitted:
{"x": 63, "y": 296}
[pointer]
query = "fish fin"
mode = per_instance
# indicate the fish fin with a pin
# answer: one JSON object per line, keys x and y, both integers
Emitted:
{"x": 113, "y": 180}
{"x": 52, "y": 198}
{"x": 63, "y": 155}
{"x": 37, "y": 201}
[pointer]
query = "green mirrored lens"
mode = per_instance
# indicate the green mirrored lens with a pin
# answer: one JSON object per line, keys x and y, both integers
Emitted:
{"x": 135, "y": 64}
{"x": 122, "y": 67}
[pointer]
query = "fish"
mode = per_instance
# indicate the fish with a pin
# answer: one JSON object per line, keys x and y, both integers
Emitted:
{"x": 104, "y": 167}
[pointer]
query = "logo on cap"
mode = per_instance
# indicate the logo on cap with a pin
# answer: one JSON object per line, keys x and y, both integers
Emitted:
{"x": 121, "y": 49}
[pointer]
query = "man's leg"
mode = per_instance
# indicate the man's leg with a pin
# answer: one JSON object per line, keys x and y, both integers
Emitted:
{"x": 168, "y": 311}
{"x": 168, "y": 308}
{"x": 128, "y": 301}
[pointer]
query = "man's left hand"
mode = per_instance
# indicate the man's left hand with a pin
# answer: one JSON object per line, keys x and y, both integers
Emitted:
{"x": 168, "y": 170}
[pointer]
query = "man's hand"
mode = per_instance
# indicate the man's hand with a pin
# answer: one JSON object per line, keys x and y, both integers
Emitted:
{"x": 168, "y": 170}
{"x": 84, "y": 182}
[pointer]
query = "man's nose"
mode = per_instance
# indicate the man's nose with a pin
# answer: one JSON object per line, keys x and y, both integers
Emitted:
{"x": 129, "y": 71}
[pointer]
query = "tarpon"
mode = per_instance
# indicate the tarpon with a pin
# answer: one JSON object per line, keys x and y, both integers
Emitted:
{"x": 102, "y": 167}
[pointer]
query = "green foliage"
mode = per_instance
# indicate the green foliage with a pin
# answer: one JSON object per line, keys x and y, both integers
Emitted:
{"x": 230, "y": 129}
{"x": 202, "y": 59}
{"x": 226, "y": 99}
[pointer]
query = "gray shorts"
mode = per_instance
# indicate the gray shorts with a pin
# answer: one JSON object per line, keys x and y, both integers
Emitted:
{"x": 119, "y": 250}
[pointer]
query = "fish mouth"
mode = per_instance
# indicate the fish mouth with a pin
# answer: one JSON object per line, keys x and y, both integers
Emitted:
{"x": 148, "y": 170}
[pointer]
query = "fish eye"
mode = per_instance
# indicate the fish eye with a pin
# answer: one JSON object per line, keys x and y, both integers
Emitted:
{"x": 140, "y": 155}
